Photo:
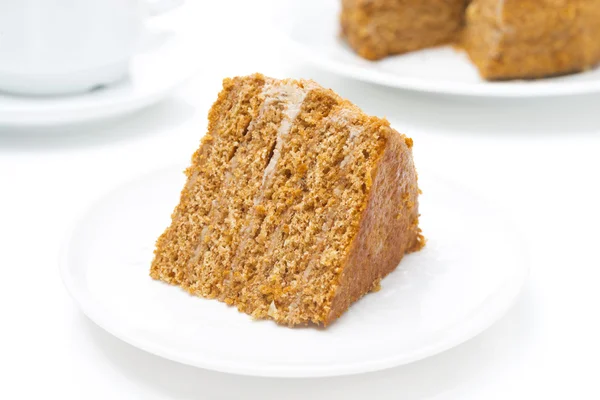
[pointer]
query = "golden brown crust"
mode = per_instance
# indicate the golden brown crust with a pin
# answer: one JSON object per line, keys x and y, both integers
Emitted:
{"x": 389, "y": 226}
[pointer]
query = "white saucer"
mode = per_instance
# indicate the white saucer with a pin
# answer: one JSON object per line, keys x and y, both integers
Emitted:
{"x": 465, "y": 279}
{"x": 310, "y": 29}
{"x": 164, "y": 64}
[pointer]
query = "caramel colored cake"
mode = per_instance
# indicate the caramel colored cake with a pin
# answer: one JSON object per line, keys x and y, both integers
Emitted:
{"x": 379, "y": 28}
{"x": 296, "y": 204}
{"x": 505, "y": 39}
{"x": 509, "y": 39}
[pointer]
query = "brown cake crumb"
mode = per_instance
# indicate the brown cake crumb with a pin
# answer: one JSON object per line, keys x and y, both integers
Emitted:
{"x": 296, "y": 204}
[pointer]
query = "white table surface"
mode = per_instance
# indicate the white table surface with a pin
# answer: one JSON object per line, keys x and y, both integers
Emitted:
{"x": 538, "y": 159}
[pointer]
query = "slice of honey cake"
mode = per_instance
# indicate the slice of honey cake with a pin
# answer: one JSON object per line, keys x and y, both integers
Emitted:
{"x": 296, "y": 204}
{"x": 379, "y": 28}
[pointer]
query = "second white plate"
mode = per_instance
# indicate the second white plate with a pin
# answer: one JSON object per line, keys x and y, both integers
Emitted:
{"x": 310, "y": 29}
{"x": 466, "y": 278}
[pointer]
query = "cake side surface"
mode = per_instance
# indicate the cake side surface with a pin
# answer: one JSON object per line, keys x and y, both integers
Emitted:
{"x": 531, "y": 39}
{"x": 389, "y": 227}
{"x": 379, "y": 28}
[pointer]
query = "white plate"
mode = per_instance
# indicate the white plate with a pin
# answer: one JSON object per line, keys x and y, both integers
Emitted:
{"x": 155, "y": 72}
{"x": 467, "y": 277}
{"x": 311, "y": 30}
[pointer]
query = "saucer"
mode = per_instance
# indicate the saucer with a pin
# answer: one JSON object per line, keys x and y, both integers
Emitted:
{"x": 163, "y": 64}
{"x": 467, "y": 276}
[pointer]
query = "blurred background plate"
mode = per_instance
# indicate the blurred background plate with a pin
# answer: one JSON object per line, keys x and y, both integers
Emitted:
{"x": 311, "y": 30}
{"x": 465, "y": 279}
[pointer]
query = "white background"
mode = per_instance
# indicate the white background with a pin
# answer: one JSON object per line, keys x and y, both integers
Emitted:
{"x": 538, "y": 159}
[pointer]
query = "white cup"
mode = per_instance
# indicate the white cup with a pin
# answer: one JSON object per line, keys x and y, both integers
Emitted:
{"x": 50, "y": 47}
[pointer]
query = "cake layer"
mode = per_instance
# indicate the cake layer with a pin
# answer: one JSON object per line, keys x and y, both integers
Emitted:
{"x": 378, "y": 28}
{"x": 259, "y": 265}
{"x": 229, "y": 119}
{"x": 245, "y": 181}
{"x": 298, "y": 222}
{"x": 299, "y": 241}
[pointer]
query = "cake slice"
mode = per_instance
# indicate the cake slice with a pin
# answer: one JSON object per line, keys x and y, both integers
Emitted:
{"x": 528, "y": 39}
{"x": 296, "y": 204}
{"x": 378, "y": 28}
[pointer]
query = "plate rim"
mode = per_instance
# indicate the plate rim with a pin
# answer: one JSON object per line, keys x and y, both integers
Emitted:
{"x": 276, "y": 370}
{"x": 68, "y": 110}
{"x": 508, "y": 89}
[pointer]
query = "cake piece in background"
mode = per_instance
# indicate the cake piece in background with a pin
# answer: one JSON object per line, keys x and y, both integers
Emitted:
{"x": 528, "y": 39}
{"x": 296, "y": 204}
{"x": 378, "y": 28}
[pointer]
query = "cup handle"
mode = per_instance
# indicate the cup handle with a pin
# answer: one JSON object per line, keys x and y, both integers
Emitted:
{"x": 158, "y": 7}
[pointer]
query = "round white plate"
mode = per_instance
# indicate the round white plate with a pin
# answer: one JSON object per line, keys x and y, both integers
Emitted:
{"x": 467, "y": 277}
{"x": 161, "y": 66}
{"x": 311, "y": 31}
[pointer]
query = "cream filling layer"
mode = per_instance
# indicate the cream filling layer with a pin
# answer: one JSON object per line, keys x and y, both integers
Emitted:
{"x": 295, "y": 97}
